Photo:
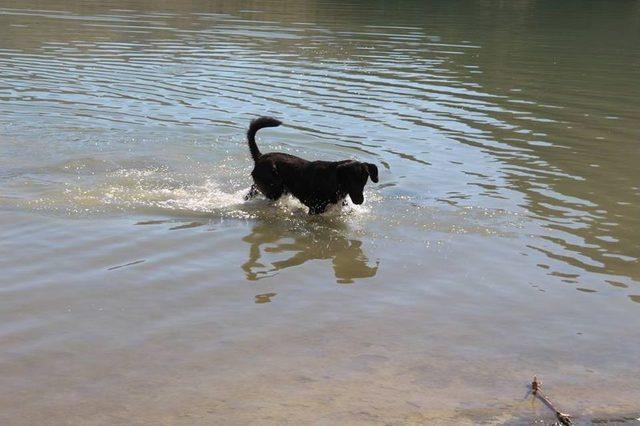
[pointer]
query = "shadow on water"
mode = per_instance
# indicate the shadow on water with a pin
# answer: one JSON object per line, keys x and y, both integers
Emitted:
{"x": 298, "y": 247}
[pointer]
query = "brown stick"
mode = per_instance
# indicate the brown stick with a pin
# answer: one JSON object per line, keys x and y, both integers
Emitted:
{"x": 536, "y": 389}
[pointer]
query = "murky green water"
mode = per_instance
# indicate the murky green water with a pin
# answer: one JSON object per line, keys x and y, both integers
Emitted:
{"x": 502, "y": 241}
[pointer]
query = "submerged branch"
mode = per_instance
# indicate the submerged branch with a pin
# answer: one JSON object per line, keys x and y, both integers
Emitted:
{"x": 536, "y": 387}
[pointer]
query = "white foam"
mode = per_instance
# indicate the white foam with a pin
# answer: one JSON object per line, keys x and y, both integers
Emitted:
{"x": 159, "y": 190}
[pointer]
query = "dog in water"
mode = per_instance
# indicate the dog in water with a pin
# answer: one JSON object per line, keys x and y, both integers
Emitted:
{"x": 317, "y": 184}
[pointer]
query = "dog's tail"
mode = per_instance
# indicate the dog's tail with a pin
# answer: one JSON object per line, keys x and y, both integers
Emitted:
{"x": 256, "y": 125}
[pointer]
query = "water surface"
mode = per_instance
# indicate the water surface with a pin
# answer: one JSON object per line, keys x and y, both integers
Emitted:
{"x": 502, "y": 240}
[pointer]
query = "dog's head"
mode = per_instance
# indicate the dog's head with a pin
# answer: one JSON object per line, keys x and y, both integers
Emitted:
{"x": 352, "y": 177}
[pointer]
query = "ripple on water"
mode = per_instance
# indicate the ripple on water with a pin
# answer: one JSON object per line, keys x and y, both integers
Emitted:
{"x": 503, "y": 236}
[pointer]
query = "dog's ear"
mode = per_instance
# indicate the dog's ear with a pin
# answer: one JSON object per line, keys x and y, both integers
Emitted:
{"x": 373, "y": 171}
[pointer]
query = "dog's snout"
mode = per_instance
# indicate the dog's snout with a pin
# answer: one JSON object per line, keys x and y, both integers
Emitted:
{"x": 358, "y": 199}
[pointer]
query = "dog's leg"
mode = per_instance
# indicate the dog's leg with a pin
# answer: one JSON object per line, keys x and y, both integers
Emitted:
{"x": 318, "y": 208}
{"x": 267, "y": 181}
{"x": 253, "y": 192}
{"x": 274, "y": 192}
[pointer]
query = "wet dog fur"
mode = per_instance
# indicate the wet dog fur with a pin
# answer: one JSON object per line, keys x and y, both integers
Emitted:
{"x": 317, "y": 184}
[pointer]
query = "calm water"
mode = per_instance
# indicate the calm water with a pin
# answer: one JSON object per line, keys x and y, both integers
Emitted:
{"x": 502, "y": 241}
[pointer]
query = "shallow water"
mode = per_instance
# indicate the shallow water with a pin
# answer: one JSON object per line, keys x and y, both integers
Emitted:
{"x": 502, "y": 240}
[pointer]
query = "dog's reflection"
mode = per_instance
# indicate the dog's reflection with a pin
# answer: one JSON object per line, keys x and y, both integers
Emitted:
{"x": 349, "y": 261}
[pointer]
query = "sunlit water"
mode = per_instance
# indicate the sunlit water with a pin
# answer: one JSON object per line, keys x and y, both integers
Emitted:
{"x": 502, "y": 241}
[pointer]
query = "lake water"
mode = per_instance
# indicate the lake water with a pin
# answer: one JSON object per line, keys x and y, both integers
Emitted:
{"x": 502, "y": 241}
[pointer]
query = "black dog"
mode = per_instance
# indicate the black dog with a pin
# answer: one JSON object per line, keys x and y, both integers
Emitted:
{"x": 315, "y": 183}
